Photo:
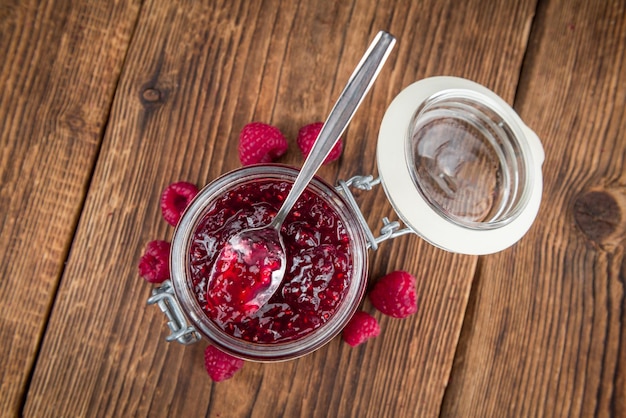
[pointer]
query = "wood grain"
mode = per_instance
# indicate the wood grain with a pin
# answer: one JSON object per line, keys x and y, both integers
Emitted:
{"x": 60, "y": 63}
{"x": 546, "y": 332}
{"x": 194, "y": 75}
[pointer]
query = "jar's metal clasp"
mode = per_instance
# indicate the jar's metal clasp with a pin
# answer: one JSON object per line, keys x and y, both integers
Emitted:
{"x": 389, "y": 229}
{"x": 181, "y": 331}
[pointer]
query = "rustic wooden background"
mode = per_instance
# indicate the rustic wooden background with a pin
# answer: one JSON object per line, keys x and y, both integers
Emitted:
{"x": 102, "y": 104}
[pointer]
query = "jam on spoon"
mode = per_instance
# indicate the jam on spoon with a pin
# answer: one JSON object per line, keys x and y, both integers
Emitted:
{"x": 245, "y": 268}
{"x": 259, "y": 253}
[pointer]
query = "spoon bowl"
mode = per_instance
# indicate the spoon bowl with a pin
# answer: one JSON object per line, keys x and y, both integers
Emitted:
{"x": 258, "y": 255}
{"x": 250, "y": 263}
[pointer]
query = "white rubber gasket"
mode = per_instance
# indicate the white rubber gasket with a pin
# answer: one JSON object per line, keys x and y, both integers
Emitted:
{"x": 406, "y": 199}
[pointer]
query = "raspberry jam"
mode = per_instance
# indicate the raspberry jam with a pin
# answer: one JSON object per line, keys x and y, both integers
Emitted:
{"x": 325, "y": 276}
{"x": 245, "y": 274}
{"x": 318, "y": 269}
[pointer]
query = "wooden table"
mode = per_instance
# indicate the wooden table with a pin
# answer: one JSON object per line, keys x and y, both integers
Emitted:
{"x": 102, "y": 104}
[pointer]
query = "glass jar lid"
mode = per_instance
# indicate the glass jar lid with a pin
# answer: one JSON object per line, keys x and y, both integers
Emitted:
{"x": 459, "y": 166}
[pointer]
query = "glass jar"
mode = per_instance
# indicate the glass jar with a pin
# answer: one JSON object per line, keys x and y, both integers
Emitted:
{"x": 306, "y": 341}
{"x": 459, "y": 168}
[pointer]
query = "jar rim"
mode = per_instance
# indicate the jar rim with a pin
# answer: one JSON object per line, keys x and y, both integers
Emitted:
{"x": 186, "y": 295}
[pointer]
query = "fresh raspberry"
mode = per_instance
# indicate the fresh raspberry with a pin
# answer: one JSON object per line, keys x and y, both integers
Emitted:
{"x": 154, "y": 264}
{"x": 361, "y": 328}
{"x": 395, "y": 294}
{"x": 260, "y": 143}
{"x": 307, "y": 136}
{"x": 175, "y": 199}
{"x": 219, "y": 365}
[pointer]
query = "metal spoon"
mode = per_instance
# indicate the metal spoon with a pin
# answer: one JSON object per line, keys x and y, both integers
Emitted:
{"x": 260, "y": 252}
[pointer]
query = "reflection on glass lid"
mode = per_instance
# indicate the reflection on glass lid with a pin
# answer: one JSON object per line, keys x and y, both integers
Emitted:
{"x": 465, "y": 160}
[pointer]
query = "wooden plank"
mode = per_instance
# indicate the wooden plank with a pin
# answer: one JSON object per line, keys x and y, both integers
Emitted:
{"x": 547, "y": 331}
{"x": 60, "y": 64}
{"x": 194, "y": 76}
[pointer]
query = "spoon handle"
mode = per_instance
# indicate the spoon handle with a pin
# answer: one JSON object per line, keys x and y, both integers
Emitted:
{"x": 351, "y": 97}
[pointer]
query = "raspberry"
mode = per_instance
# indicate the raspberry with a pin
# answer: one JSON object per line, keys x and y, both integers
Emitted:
{"x": 175, "y": 199}
{"x": 219, "y": 365}
{"x": 307, "y": 136}
{"x": 154, "y": 264}
{"x": 361, "y": 328}
{"x": 260, "y": 143}
{"x": 395, "y": 294}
